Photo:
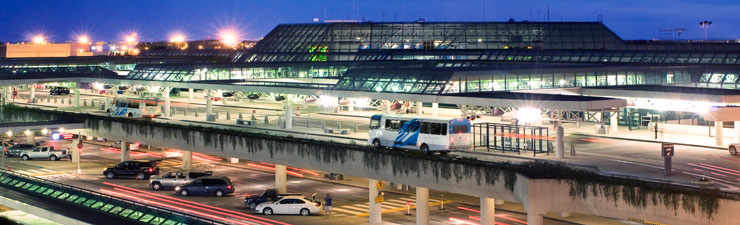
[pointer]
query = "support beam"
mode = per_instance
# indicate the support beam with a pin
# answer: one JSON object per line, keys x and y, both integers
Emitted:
{"x": 614, "y": 122}
{"x": 435, "y": 109}
{"x": 418, "y": 109}
{"x": 280, "y": 179}
{"x": 737, "y": 131}
{"x": 375, "y": 214}
{"x": 534, "y": 219}
{"x": 209, "y": 107}
{"x": 166, "y": 96}
{"x": 74, "y": 151}
{"x": 125, "y": 154}
{"x": 422, "y": 206}
{"x": 190, "y": 98}
{"x": 718, "y": 133}
{"x": 386, "y": 107}
{"x": 288, "y": 115}
{"x": 187, "y": 160}
{"x": 559, "y": 143}
{"x": 77, "y": 94}
{"x": 33, "y": 92}
{"x": 30, "y": 138}
{"x": 487, "y": 211}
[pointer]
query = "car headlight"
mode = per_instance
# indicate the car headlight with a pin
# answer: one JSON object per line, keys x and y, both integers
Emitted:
{"x": 177, "y": 188}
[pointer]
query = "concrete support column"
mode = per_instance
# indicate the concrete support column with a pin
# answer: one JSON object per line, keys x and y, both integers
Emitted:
{"x": 559, "y": 143}
{"x": 534, "y": 219}
{"x": 435, "y": 109}
{"x": 281, "y": 179}
{"x": 487, "y": 211}
{"x": 33, "y": 92}
{"x": 718, "y": 133}
{"x": 166, "y": 96}
{"x": 187, "y": 160}
{"x": 375, "y": 214}
{"x": 74, "y": 151}
{"x": 386, "y": 107}
{"x": 737, "y": 131}
{"x": 77, "y": 94}
{"x": 614, "y": 122}
{"x": 418, "y": 109}
{"x": 30, "y": 138}
{"x": 234, "y": 160}
{"x": 190, "y": 98}
{"x": 209, "y": 106}
{"x": 351, "y": 106}
{"x": 125, "y": 154}
{"x": 422, "y": 206}
{"x": 288, "y": 116}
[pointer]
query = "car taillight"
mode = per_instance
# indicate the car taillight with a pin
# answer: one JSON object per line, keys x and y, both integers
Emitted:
{"x": 228, "y": 187}
{"x": 151, "y": 169}
{"x": 317, "y": 204}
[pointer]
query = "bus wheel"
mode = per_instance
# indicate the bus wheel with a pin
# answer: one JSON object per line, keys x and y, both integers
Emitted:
{"x": 733, "y": 150}
{"x": 425, "y": 149}
{"x": 376, "y": 144}
{"x": 129, "y": 115}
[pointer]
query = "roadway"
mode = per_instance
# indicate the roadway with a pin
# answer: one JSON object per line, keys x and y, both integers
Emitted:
{"x": 350, "y": 197}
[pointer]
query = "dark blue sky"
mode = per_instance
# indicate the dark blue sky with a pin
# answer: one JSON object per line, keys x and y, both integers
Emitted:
{"x": 157, "y": 19}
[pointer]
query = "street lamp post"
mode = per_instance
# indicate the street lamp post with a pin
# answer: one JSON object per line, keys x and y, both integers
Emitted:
{"x": 705, "y": 24}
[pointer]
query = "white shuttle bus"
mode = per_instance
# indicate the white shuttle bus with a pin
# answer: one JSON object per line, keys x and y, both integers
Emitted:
{"x": 134, "y": 108}
{"x": 425, "y": 134}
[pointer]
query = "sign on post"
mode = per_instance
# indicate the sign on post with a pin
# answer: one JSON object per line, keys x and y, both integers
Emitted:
{"x": 379, "y": 185}
{"x": 667, "y": 151}
{"x": 79, "y": 145}
{"x": 379, "y": 199}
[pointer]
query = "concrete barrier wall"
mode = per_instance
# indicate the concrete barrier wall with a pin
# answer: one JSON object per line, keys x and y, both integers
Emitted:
{"x": 40, "y": 212}
{"x": 539, "y": 196}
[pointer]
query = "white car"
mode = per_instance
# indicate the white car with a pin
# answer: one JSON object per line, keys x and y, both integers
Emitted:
{"x": 290, "y": 205}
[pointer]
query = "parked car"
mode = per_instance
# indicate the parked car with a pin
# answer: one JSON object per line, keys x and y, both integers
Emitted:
{"x": 59, "y": 91}
{"x": 215, "y": 186}
{"x": 15, "y": 150}
{"x": 172, "y": 179}
{"x": 290, "y": 205}
{"x": 138, "y": 169}
{"x": 131, "y": 146}
{"x": 251, "y": 201}
{"x": 45, "y": 152}
{"x": 733, "y": 148}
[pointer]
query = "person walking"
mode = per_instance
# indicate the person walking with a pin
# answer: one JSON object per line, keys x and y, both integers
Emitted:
{"x": 655, "y": 127}
{"x": 327, "y": 204}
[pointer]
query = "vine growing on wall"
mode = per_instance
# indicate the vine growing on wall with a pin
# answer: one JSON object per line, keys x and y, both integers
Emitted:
{"x": 583, "y": 183}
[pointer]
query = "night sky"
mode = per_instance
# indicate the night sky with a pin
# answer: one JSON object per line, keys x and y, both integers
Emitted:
{"x": 109, "y": 20}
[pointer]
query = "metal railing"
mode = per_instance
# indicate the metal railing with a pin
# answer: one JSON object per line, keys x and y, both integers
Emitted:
{"x": 99, "y": 201}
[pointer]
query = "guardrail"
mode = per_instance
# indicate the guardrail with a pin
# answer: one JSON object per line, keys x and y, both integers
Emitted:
{"x": 129, "y": 210}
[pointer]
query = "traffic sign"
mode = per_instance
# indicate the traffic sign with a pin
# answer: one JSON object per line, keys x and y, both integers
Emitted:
{"x": 379, "y": 199}
{"x": 379, "y": 185}
{"x": 667, "y": 150}
{"x": 79, "y": 145}
{"x": 408, "y": 203}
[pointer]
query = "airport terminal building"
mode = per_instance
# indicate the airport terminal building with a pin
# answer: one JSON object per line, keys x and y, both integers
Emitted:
{"x": 678, "y": 83}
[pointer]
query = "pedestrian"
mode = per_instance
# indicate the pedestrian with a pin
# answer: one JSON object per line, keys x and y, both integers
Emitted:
{"x": 655, "y": 127}
{"x": 327, "y": 204}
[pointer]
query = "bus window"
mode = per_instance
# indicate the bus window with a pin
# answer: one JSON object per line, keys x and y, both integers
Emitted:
{"x": 374, "y": 124}
{"x": 436, "y": 128}
{"x": 460, "y": 129}
{"x": 394, "y": 125}
{"x": 444, "y": 129}
{"x": 425, "y": 127}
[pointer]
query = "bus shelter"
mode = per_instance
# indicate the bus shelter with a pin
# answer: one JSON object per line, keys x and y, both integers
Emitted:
{"x": 512, "y": 138}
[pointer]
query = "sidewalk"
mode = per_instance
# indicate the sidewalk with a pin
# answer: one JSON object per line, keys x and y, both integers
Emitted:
{"x": 645, "y": 135}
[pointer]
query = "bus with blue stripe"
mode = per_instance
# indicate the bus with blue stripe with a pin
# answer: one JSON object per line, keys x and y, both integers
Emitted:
{"x": 420, "y": 133}
{"x": 134, "y": 107}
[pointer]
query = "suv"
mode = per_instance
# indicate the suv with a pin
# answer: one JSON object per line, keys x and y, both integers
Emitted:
{"x": 173, "y": 179}
{"x": 59, "y": 91}
{"x": 218, "y": 186}
{"x": 139, "y": 169}
{"x": 43, "y": 152}
{"x": 268, "y": 195}
{"x": 16, "y": 149}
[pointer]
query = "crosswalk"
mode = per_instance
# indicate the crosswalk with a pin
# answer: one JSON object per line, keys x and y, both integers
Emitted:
{"x": 389, "y": 205}
{"x": 40, "y": 172}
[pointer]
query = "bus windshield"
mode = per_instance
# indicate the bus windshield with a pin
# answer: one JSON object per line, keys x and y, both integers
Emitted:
{"x": 462, "y": 128}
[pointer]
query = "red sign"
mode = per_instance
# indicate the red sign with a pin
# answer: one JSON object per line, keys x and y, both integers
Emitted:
{"x": 79, "y": 145}
{"x": 67, "y": 136}
{"x": 408, "y": 203}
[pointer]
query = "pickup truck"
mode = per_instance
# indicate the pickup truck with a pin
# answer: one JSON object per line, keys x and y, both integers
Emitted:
{"x": 44, "y": 152}
{"x": 173, "y": 179}
{"x": 251, "y": 201}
